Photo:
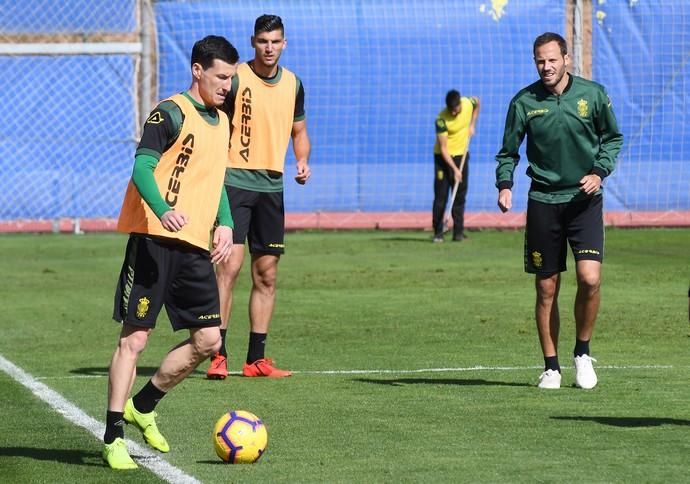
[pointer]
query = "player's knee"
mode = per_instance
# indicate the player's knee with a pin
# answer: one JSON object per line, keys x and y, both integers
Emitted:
{"x": 207, "y": 341}
{"x": 546, "y": 286}
{"x": 266, "y": 283}
{"x": 226, "y": 274}
{"x": 214, "y": 347}
{"x": 134, "y": 343}
{"x": 265, "y": 280}
{"x": 589, "y": 282}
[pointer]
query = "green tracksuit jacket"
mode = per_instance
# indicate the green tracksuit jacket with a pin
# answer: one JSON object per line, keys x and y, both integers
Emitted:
{"x": 568, "y": 136}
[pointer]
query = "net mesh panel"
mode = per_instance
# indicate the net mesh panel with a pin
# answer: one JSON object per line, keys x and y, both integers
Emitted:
{"x": 641, "y": 53}
{"x": 69, "y": 123}
{"x": 67, "y": 17}
{"x": 375, "y": 74}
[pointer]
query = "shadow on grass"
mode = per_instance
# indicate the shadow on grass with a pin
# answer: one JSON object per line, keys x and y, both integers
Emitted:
{"x": 440, "y": 381}
{"x": 103, "y": 371}
{"x": 68, "y": 456}
{"x": 426, "y": 237}
{"x": 629, "y": 421}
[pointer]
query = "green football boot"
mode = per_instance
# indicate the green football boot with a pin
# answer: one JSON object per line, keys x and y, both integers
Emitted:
{"x": 146, "y": 422}
{"x": 117, "y": 457}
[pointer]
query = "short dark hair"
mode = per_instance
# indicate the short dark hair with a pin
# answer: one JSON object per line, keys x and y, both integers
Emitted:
{"x": 213, "y": 47}
{"x": 547, "y": 37}
{"x": 268, "y": 23}
{"x": 452, "y": 99}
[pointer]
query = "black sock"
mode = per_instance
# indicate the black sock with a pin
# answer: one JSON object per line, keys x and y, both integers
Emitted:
{"x": 581, "y": 347}
{"x": 147, "y": 398}
{"x": 223, "y": 351}
{"x": 114, "y": 426}
{"x": 257, "y": 346}
{"x": 551, "y": 363}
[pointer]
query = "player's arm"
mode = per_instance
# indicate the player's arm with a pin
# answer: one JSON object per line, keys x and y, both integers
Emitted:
{"x": 229, "y": 104}
{"x": 611, "y": 139}
{"x": 222, "y": 234}
{"x": 508, "y": 157}
{"x": 610, "y": 142}
{"x": 143, "y": 179}
{"x": 160, "y": 131}
{"x": 442, "y": 139}
{"x": 301, "y": 144}
{"x": 224, "y": 215}
{"x": 475, "y": 114}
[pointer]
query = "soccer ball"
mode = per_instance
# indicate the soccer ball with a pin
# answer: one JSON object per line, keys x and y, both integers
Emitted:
{"x": 240, "y": 437}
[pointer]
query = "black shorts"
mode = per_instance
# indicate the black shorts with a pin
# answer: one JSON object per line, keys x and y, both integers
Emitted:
{"x": 259, "y": 218}
{"x": 157, "y": 272}
{"x": 549, "y": 226}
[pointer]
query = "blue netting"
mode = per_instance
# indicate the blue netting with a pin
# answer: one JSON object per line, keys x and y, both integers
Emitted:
{"x": 67, "y": 139}
{"x": 642, "y": 55}
{"x": 67, "y": 16}
{"x": 375, "y": 76}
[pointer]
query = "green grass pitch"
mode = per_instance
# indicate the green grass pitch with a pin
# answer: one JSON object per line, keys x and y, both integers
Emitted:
{"x": 413, "y": 361}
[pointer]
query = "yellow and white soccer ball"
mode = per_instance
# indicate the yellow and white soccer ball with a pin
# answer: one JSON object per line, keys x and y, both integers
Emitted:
{"x": 240, "y": 437}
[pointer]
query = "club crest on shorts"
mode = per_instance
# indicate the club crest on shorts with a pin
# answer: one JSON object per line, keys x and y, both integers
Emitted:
{"x": 536, "y": 259}
{"x": 143, "y": 307}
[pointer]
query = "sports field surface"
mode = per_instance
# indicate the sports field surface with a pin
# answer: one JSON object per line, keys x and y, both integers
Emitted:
{"x": 413, "y": 362}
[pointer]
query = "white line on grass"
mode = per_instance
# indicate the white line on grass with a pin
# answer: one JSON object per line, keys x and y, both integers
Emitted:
{"x": 419, "y": 370}
{"x": 74, "y": 414}
{"x": 472, "y": 368}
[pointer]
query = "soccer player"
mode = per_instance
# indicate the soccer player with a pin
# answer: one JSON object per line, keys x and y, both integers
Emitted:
{"x": 266, "y": 109}
{"x": 455, "y": 124}
{"x": 174, "y": 201}
{"x": 572, "y": 144}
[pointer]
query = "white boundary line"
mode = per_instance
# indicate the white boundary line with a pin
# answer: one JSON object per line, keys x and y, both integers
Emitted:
{"x": 473, "y": 368}
{"x": 74, "y": 414}
{"x": 419, "y": 370}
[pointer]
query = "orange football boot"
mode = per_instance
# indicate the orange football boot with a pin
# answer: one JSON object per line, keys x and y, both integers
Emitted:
{"x": 218, "y": 369}
{"x": 264, "y": 367}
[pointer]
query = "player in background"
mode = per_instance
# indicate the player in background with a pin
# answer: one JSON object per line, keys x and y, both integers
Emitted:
{"x": 266, "y": 109}
{"x": 572, "y": 144}
{"x": 455, "y": 125}
{"x": 174, "y": 201}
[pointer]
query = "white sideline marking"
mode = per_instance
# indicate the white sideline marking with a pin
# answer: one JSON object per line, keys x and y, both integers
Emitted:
{"x": 419, "y": 370}
{"x": 474, "y": 368}
{"x": 74, "y": 414}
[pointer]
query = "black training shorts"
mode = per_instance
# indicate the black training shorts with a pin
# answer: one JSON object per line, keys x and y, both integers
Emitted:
{"x": 157, "y": 272}
{"x": 259, "y": 218}
{"x": 549, "y": 226}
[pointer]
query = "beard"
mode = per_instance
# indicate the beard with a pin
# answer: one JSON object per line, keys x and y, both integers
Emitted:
{"x": 554, "y": 79}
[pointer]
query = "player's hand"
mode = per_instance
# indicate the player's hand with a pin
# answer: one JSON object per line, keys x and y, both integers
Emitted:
{"x": 303, "y": 172}
{"x": 458, "y": 175}
{"x": 222, "y": 244}
{"x": 173, "y": 221}
{"x": 505, "y": 200}
{"x": 590, "y": 184}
